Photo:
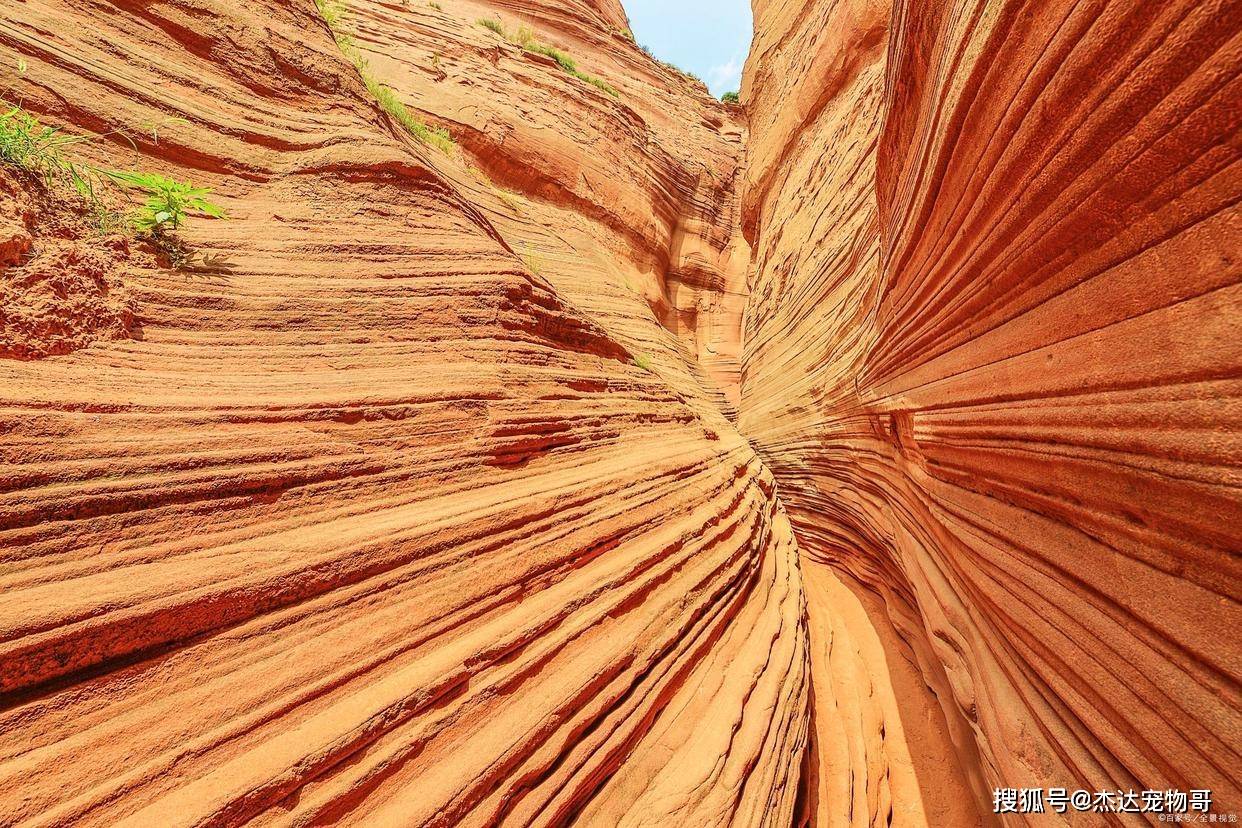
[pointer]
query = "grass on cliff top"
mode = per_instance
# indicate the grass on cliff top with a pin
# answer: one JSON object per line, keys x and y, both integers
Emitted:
{"x": 730, "y": 97}
{"x": 335, "y": 13}
{"x": 525, "y": 39}
{"x": 672, "y": 67}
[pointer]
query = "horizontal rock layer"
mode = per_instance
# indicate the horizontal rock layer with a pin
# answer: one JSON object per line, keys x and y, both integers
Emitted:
{"x": 991, "y": 357}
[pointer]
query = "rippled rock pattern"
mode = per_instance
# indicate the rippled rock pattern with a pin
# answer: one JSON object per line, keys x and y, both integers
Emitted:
{"x": 372, "y": 523}
{"x": 992, "y": 359}
{"x": 641, "y": 460}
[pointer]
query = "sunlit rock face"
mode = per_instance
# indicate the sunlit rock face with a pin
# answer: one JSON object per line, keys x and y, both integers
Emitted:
{"x": 641, "y": 184}
{"x": 635, "y": 460}
{"x": 992, "y": 358}
{"x": 376, "y": 519}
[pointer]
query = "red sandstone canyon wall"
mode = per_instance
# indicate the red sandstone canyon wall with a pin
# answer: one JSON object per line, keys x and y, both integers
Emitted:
{"x": 350, "y": 527}
{"x": 642, "y": 184}
{"x": 992, "y": 358}
{"x": 632, "y": 459}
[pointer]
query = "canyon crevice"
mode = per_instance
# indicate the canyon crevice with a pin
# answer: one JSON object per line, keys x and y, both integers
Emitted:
{"x": 631, "y": 458}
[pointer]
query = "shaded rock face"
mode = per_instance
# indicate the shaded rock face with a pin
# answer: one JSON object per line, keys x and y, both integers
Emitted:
{"x": 640, "y": 460}
{"x": 991, "y": 357}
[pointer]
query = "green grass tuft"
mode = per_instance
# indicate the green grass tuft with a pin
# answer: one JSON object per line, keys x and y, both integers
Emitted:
{"x": 730, "y": 97}
{"x": 525, "y": 39}
{"x": 596, "y": 82}
{"x": 336, "y": 14}
{"x": 26, "y": 143}
{"x": 29, "y": 145}
{"x": 333, "y": 12}
{"x": 494, "y": 25}
{"x": 563, "y": 60}
{"x": 390, "y": 103}
{"x": 642, "y": 361}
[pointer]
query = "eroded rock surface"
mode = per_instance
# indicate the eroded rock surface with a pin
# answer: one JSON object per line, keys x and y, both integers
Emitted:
{"x": 641, "y": 185}
{"x": 61, "y": 285}
{"x": 992, "y": 360}
{"x": 417, "y": 497}
{"x": 377, "y": 523}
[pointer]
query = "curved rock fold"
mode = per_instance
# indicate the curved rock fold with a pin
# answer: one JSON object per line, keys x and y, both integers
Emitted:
{"x": 634, "y": 459}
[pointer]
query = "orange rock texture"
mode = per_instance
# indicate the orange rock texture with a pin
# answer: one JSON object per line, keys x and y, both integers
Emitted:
{"x": 375, "y": 520}
{"x": 634, "y": 459}
{"x": 992, "y": 358}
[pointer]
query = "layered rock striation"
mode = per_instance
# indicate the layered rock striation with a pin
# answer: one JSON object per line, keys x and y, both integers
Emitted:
{"x": 640, "y": 183}
{"x": 991, "y": 357}
{"x": 370, "y": 521}
{"x": 632, "y": 459}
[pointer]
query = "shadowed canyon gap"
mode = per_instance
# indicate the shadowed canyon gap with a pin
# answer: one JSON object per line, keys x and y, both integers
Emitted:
{"x": 639, "y": 460}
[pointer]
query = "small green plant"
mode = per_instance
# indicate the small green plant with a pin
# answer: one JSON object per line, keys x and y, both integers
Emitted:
{"x": 493, "y": 24}
{"x": 39, "y": 149}
{"x": 336, "y": 14}
{"x": 643, "y": 362}
{"x": 26, "y": 143}
{"x": 730, "y": 97}
{"x": 22, "y": 66}
{"x": 436, "y": 6}
{"x": 168, "y": 201}
{"x": 525, "y": 39}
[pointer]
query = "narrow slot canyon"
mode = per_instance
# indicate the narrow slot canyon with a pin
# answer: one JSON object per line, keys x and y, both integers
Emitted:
{"x": 512, "y": 433}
